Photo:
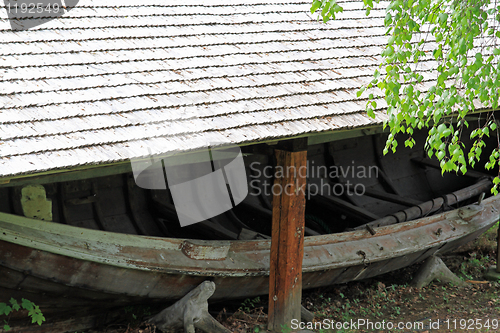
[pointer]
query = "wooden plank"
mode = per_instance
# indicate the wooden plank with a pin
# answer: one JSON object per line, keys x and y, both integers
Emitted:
{"x": 498, "y": 250}
{"x": 335, "y": 203}
{"x": 68, "y": 174}
{"x": 287, "y": 241}
{"x": 390, "y": 197}
{"x": 389, "y": 185}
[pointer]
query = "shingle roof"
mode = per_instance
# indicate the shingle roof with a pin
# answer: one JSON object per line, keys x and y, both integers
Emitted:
{"x": 110, "y": 78}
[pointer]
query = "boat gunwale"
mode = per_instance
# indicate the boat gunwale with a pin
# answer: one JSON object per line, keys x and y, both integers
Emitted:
{"x": 50, "y": 237}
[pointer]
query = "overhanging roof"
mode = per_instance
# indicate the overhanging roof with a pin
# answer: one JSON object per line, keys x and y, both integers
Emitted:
{"x": 108, "y": 79}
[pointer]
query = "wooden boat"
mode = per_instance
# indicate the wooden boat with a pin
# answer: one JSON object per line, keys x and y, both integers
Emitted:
{"x": 109, "y": 81}
{"x": 113, "y": 243}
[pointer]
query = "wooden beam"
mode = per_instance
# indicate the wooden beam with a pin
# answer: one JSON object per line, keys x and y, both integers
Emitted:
{"x": 498, "y": 250}
{"x": 431, "y": 206}
{"x": 388, "y": 197}
{"x": 287, "y": 241}
{"x": 335, "y": 203}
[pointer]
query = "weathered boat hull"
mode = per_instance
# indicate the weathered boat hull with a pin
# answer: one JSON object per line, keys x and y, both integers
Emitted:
{"x": 62, "y": 266}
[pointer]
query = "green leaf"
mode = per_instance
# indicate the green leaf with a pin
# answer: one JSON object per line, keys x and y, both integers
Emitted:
{"x": 441, "y": 128}
{"x": 443, "y": 17}
{"x": 38, "y": 318}
{"x": 370, "y": 112}
{"x": 337, "y": 8}
{"x": 360, "y": 91}
{"x": 14, "y": 304}
{"x": 446, "y": 132}
{"x": 26, "y": 304}
{"x": 453, "y": 70}
{"x": 5, "y": 309}
{"x": 326, "y": 9}
{"x": 315, "y": 5}
{"x": 461, "y": 158}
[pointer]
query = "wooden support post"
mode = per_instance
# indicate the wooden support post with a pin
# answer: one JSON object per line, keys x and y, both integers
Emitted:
{"x": 190, "y": 312}
{"x": 498, "y": 250}
{"x": 287, "y": 241}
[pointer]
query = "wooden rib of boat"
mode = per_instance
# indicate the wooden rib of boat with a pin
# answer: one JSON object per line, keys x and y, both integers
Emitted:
{"x": 113, "y": 243}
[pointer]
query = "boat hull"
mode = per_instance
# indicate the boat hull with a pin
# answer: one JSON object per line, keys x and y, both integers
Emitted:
{"x": 60, "y": 266}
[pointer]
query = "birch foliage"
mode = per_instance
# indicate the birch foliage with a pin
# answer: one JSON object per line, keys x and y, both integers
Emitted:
{"x": 460, "y": 40}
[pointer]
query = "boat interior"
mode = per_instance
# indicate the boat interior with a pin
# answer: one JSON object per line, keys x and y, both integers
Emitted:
{"x": 350, "y": 185}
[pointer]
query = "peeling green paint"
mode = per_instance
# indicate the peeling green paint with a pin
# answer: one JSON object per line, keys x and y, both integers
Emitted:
{"x": 35, "y": 203}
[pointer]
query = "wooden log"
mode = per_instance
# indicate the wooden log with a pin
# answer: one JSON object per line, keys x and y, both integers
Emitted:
{"x": 287, "y": 241}
{"x": 306, "y": 315}
{"x": 190, "y": 312}
{"x": 432, "y": 269}
{"x": 431, "y": 206}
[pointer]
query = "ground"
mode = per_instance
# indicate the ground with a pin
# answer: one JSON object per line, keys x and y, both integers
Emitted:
{"x": 387, "y": 298}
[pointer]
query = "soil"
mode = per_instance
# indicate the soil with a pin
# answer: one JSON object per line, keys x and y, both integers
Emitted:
{"x": 389, "y": 298}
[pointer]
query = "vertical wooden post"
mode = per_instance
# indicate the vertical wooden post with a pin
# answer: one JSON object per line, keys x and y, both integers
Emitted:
{"x": 498, "y": 249}
{"x": 287, "y": 242}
